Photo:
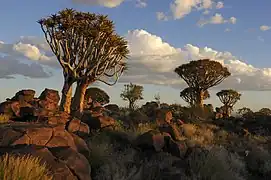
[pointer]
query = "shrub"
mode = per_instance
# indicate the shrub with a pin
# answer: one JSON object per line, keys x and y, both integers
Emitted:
{"x": 216, "y": 163}
{"x": 22, "y": 168}
{"x": 4, "y": 118}
{"x": 259, "y": 161}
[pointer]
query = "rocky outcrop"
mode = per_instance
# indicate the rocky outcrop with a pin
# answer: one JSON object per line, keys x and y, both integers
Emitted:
{"x": 160, "y": 141}
{"x": 163, "y": 117}
{"x": 25, "y": 107}
{"x": 65, "y": 153}
{"x": 98, "y": 121}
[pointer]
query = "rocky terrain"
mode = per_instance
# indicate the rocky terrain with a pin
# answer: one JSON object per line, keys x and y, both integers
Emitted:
{"x": 148, "y": 143}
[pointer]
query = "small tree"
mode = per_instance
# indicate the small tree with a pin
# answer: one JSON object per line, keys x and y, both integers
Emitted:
{"x": 157, "y": 98}
{"x": 132, "y": 93}
{"x": 95, "y": 94}
{"x": 264, "y": 111}
{"x": 189, "y": 95}
{"x": 245, "y": 112}
{"x": 229, "y": 99}
{"x": 202, "y": 75}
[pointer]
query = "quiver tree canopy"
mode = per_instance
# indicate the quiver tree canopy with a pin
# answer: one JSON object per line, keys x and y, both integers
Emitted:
{"x": 201, "y": 75}
{"x": 95, "y": 94}
{"x": 228, "y": 98}
{"x": 85, "y": 44}
{"x": 190, "y": 95}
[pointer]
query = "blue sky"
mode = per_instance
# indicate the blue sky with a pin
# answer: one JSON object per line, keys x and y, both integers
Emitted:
{"x": 245, "y": 41}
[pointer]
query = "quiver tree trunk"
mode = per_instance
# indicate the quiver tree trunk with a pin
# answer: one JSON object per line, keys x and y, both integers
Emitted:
{"x": 79, "y": 97}
{"x": 227, "y": 111}
{"x": 200, "y": 99}
{"x": 66, "y": 99}
{"x": 131, "y": 105}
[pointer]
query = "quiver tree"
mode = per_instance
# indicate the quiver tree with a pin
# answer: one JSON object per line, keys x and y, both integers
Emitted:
{"x": 190, "y": 96}
{"x": 104, "y": 59}
{"x": 63, "y": 32}
{"x": 132, "y": 93}
{"x": 96, "y": 95}
{"x": 87, "y": 48}
{"x": 202, "y": 75}
{"x": 229, "y": 98}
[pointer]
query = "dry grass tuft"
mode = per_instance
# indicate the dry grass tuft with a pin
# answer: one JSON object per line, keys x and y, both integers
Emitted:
{"x": 22, "y": 168}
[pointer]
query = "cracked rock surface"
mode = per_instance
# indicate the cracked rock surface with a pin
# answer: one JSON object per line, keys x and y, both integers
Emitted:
{"x": 65, "y": 153}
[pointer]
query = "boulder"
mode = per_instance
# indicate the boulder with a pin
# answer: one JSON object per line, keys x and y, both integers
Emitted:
{"x": 98, "y": 122}
{"x": 10, "y": 108}
{"x": 163, "y": 117}
{"x": 62, "y": 162}
{"x": 114, "y": 108}
{"x": 158, "y": 141}
{"x": 171, "y": 129}
{"x": 65, "y": 153}
{"x": 49, "y": 99}
{"x": 37, "y": 134}
{"x": 78, "y": 127}
{"x": 26, "y": 95}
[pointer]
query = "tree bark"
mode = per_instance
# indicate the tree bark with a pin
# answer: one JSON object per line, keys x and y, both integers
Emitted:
{"x": 228, "y": 111}
{"x": 131, "y": 105}
{"x": 200, "y": 99}
{"x": 79, "y": 97}
{"x": 65, "y": 103}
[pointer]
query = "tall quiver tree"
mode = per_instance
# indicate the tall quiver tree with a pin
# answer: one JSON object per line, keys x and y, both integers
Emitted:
{"x": 202, "y": 75}
{"x": 229, "y": 98}
{"x": 190, "y": 96}
{"x": 104, "y": 59}
{"x": 69, "y": 34}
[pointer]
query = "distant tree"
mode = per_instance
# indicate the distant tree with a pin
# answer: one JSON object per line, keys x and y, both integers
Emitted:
{"x": 190, "y": 96}
{"x": 264, "y": 111}
{"x": 229, "y": 98}
{"x": 132, "y": 93}
{"x": 87, "y": 48}
{"x": 245, "y": 112}
{"x": 157, "y": 98}
{"x": 95, "y": 94}
{"x": 202, "y": 75}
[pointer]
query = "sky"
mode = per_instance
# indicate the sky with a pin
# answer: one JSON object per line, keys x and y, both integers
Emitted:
{"x": 161, "y": 35}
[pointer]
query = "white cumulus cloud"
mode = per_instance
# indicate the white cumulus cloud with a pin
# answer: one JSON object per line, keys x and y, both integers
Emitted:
{"x": 265, "y": 28}
{"x": 141, "y": 3}
{"x": 216, "y": 19}
{"x": 151, "y": 61}
{"x": 181, "y": 8}
{"x": 146, "y": 67}
{"x": 161, "y": 16}
{"x": 219, "y": 5}
{"x": 106, "y": 3}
